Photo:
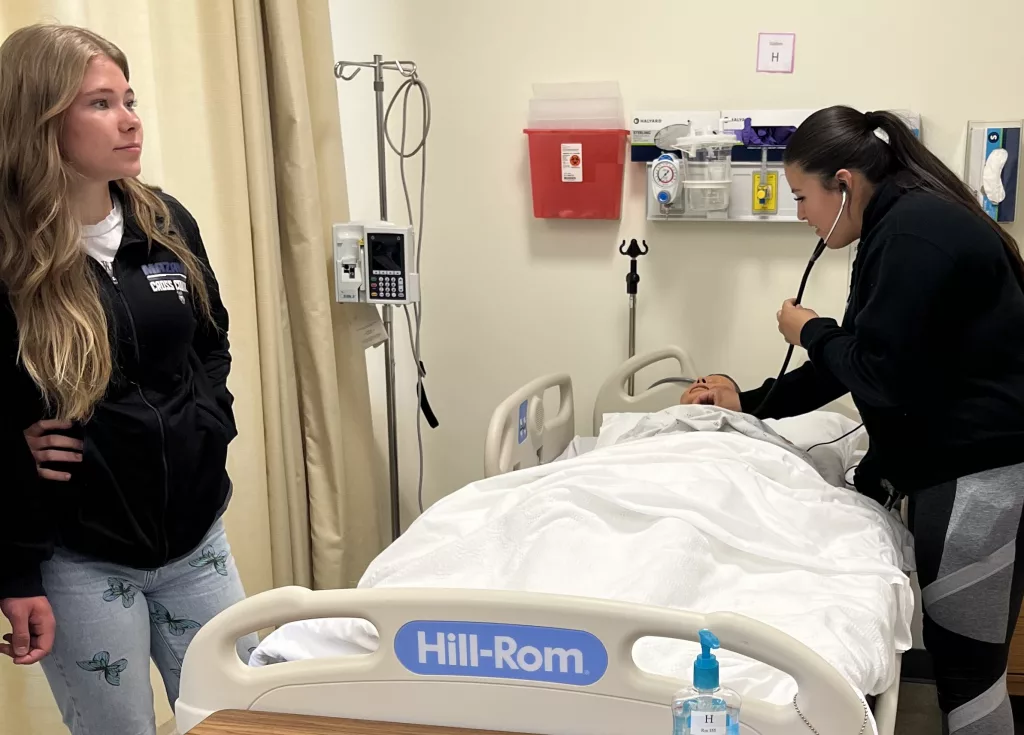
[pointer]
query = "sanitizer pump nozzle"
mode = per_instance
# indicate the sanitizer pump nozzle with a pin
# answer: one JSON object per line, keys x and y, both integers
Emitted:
{"x": 705, "y": 668}
{"x": 706, "y": 708}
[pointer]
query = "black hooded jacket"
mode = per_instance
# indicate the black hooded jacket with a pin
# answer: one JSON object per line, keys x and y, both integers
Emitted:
{"x": 931, "y": 347}
{"x": 152, "y": 478}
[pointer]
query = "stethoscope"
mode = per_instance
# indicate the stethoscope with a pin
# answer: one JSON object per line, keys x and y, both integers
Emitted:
{"x": 818, "y": 250}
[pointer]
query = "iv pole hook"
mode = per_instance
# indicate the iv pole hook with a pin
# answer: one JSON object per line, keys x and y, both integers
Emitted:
{"x": 402, "y": 70}
{"x": 634, "y": 250}
{"x": 339, "y": 71}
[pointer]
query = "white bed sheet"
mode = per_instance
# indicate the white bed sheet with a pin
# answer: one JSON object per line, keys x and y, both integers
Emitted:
{"x": 696, "y": 520}
{"x": 579, "y": 445}
{"x": 834, "y": 440}
{"x": 805, "y": 432}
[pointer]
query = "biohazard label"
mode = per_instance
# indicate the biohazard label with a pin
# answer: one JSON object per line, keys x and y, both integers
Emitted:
{"x": 572, "y": 162}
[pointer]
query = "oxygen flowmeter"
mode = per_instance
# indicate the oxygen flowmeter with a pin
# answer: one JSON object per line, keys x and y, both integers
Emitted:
{"x": 665, "y": 178}
{"x": 375, "y": 263}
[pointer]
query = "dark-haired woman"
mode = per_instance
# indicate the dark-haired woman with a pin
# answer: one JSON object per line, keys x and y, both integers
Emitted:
{"x": 931, "y": 349}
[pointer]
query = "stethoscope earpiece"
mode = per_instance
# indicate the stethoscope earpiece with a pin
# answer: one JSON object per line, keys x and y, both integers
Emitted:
{"x": 842, "y": 208}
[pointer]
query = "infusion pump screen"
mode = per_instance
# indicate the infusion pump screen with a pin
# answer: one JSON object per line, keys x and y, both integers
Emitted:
{"x": 387, "y": 266}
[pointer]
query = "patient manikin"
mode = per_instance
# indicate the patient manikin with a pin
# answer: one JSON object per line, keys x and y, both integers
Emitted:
{"x": 713, "y": 390}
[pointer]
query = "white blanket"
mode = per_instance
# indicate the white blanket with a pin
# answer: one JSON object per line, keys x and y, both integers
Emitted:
{"x": 692, "y": 508}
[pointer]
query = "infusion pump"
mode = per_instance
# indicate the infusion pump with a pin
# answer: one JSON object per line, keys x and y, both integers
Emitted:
{"x": 375, "y": 263}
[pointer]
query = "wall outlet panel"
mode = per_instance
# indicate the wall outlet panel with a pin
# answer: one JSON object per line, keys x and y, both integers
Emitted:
{"x": 765, "y": 200}
{"x": 740, "y": 200}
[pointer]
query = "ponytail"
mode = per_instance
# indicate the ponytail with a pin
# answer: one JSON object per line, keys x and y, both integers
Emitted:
{"x": 880, "y": 145}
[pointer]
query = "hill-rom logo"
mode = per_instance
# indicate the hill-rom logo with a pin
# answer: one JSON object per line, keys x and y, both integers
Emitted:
{"x": 501, "y": 651}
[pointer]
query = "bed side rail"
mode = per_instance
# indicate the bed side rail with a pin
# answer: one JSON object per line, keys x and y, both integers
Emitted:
{"x": 613, "y": 397}
{"x": 521, "y": 434}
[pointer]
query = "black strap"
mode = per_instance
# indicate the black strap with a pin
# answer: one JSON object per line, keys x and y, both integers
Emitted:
{"x": 428, "y": 412}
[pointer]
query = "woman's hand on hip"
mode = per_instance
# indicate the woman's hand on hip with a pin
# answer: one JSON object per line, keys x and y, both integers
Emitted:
{"x": 32, "y": 627}
{"x": 52, "y": 447}
{"x": 792, "y": 319}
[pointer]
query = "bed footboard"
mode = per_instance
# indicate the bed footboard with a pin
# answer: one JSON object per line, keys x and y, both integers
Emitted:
{"x": 497, "y": 660}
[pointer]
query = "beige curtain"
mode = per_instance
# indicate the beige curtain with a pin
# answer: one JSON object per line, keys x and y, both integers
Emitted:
{"x": 240, "y": 111}
{"x": 296, "y": 191}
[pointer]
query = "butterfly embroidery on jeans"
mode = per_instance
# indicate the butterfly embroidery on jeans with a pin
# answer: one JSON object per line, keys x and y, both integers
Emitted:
{"x": 177, "y": 626}
{"x": 120, "y": 588}
{"x": 111, "y": 671}
{"x": 209, "y": 556}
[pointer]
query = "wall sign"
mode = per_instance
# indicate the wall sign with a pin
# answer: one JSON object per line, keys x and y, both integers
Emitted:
{"x": 775, "y": 53}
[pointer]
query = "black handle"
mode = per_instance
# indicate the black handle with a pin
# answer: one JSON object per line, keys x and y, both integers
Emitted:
{"x": 635, "y": 250}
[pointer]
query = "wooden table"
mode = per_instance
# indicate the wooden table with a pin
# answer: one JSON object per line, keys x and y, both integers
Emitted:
{"x": 234, "y": 722}
{"x": 1015, "y": 666}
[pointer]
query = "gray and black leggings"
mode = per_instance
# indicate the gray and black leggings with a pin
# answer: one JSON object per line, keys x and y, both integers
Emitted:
{"x": 967, "y": 536}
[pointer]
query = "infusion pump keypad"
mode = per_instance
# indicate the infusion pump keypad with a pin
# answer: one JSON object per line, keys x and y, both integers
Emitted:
{"x": 387, "y": 285}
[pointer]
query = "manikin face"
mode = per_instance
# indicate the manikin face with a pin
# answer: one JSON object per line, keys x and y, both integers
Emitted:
{"x": 102, "y": 136}
{"x": 714, "y": 390}
{"x": 819, "y": 206}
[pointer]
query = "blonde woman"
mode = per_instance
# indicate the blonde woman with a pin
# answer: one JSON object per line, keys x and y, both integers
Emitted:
{"x": 115, "y": 418}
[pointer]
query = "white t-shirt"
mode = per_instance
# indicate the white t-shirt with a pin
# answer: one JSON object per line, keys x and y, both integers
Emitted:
{"x": 103, "y": 239}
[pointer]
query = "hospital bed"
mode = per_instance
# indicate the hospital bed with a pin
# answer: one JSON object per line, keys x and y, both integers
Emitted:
{"x": 571, "y": 663}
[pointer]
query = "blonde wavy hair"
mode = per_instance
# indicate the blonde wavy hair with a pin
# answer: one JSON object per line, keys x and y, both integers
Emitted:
{"x": 63, "y": 339}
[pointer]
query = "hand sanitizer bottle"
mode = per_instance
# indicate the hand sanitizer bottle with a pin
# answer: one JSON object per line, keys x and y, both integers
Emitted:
{"x": 706, "y": 708}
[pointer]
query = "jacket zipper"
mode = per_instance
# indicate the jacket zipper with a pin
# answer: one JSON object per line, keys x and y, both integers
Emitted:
{"x": 159, "y": 418}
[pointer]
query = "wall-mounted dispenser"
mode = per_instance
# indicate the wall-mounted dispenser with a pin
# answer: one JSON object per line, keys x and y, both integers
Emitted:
{"x": 992, "y": 168}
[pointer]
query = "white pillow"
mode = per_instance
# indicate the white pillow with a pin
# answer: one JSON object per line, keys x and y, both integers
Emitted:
{"x": 816, "y": 427}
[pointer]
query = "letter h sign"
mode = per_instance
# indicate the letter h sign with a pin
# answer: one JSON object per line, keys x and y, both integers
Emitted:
{"x": 775, "y": 53}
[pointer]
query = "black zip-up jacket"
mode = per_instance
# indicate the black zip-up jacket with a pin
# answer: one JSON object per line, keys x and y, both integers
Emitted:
{"x": 152, "y": 478}
{"x": 931, "y": 347}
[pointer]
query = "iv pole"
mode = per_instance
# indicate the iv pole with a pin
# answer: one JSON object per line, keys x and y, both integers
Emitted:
{"x": 406, "y": 69}
{"x": 634, "y": 251}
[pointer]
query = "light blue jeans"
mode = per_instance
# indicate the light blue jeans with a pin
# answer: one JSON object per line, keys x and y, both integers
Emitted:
{"x": 111, "y": 620}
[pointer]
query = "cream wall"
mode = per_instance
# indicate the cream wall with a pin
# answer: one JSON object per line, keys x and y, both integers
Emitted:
{"x": 508, "y": 297}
